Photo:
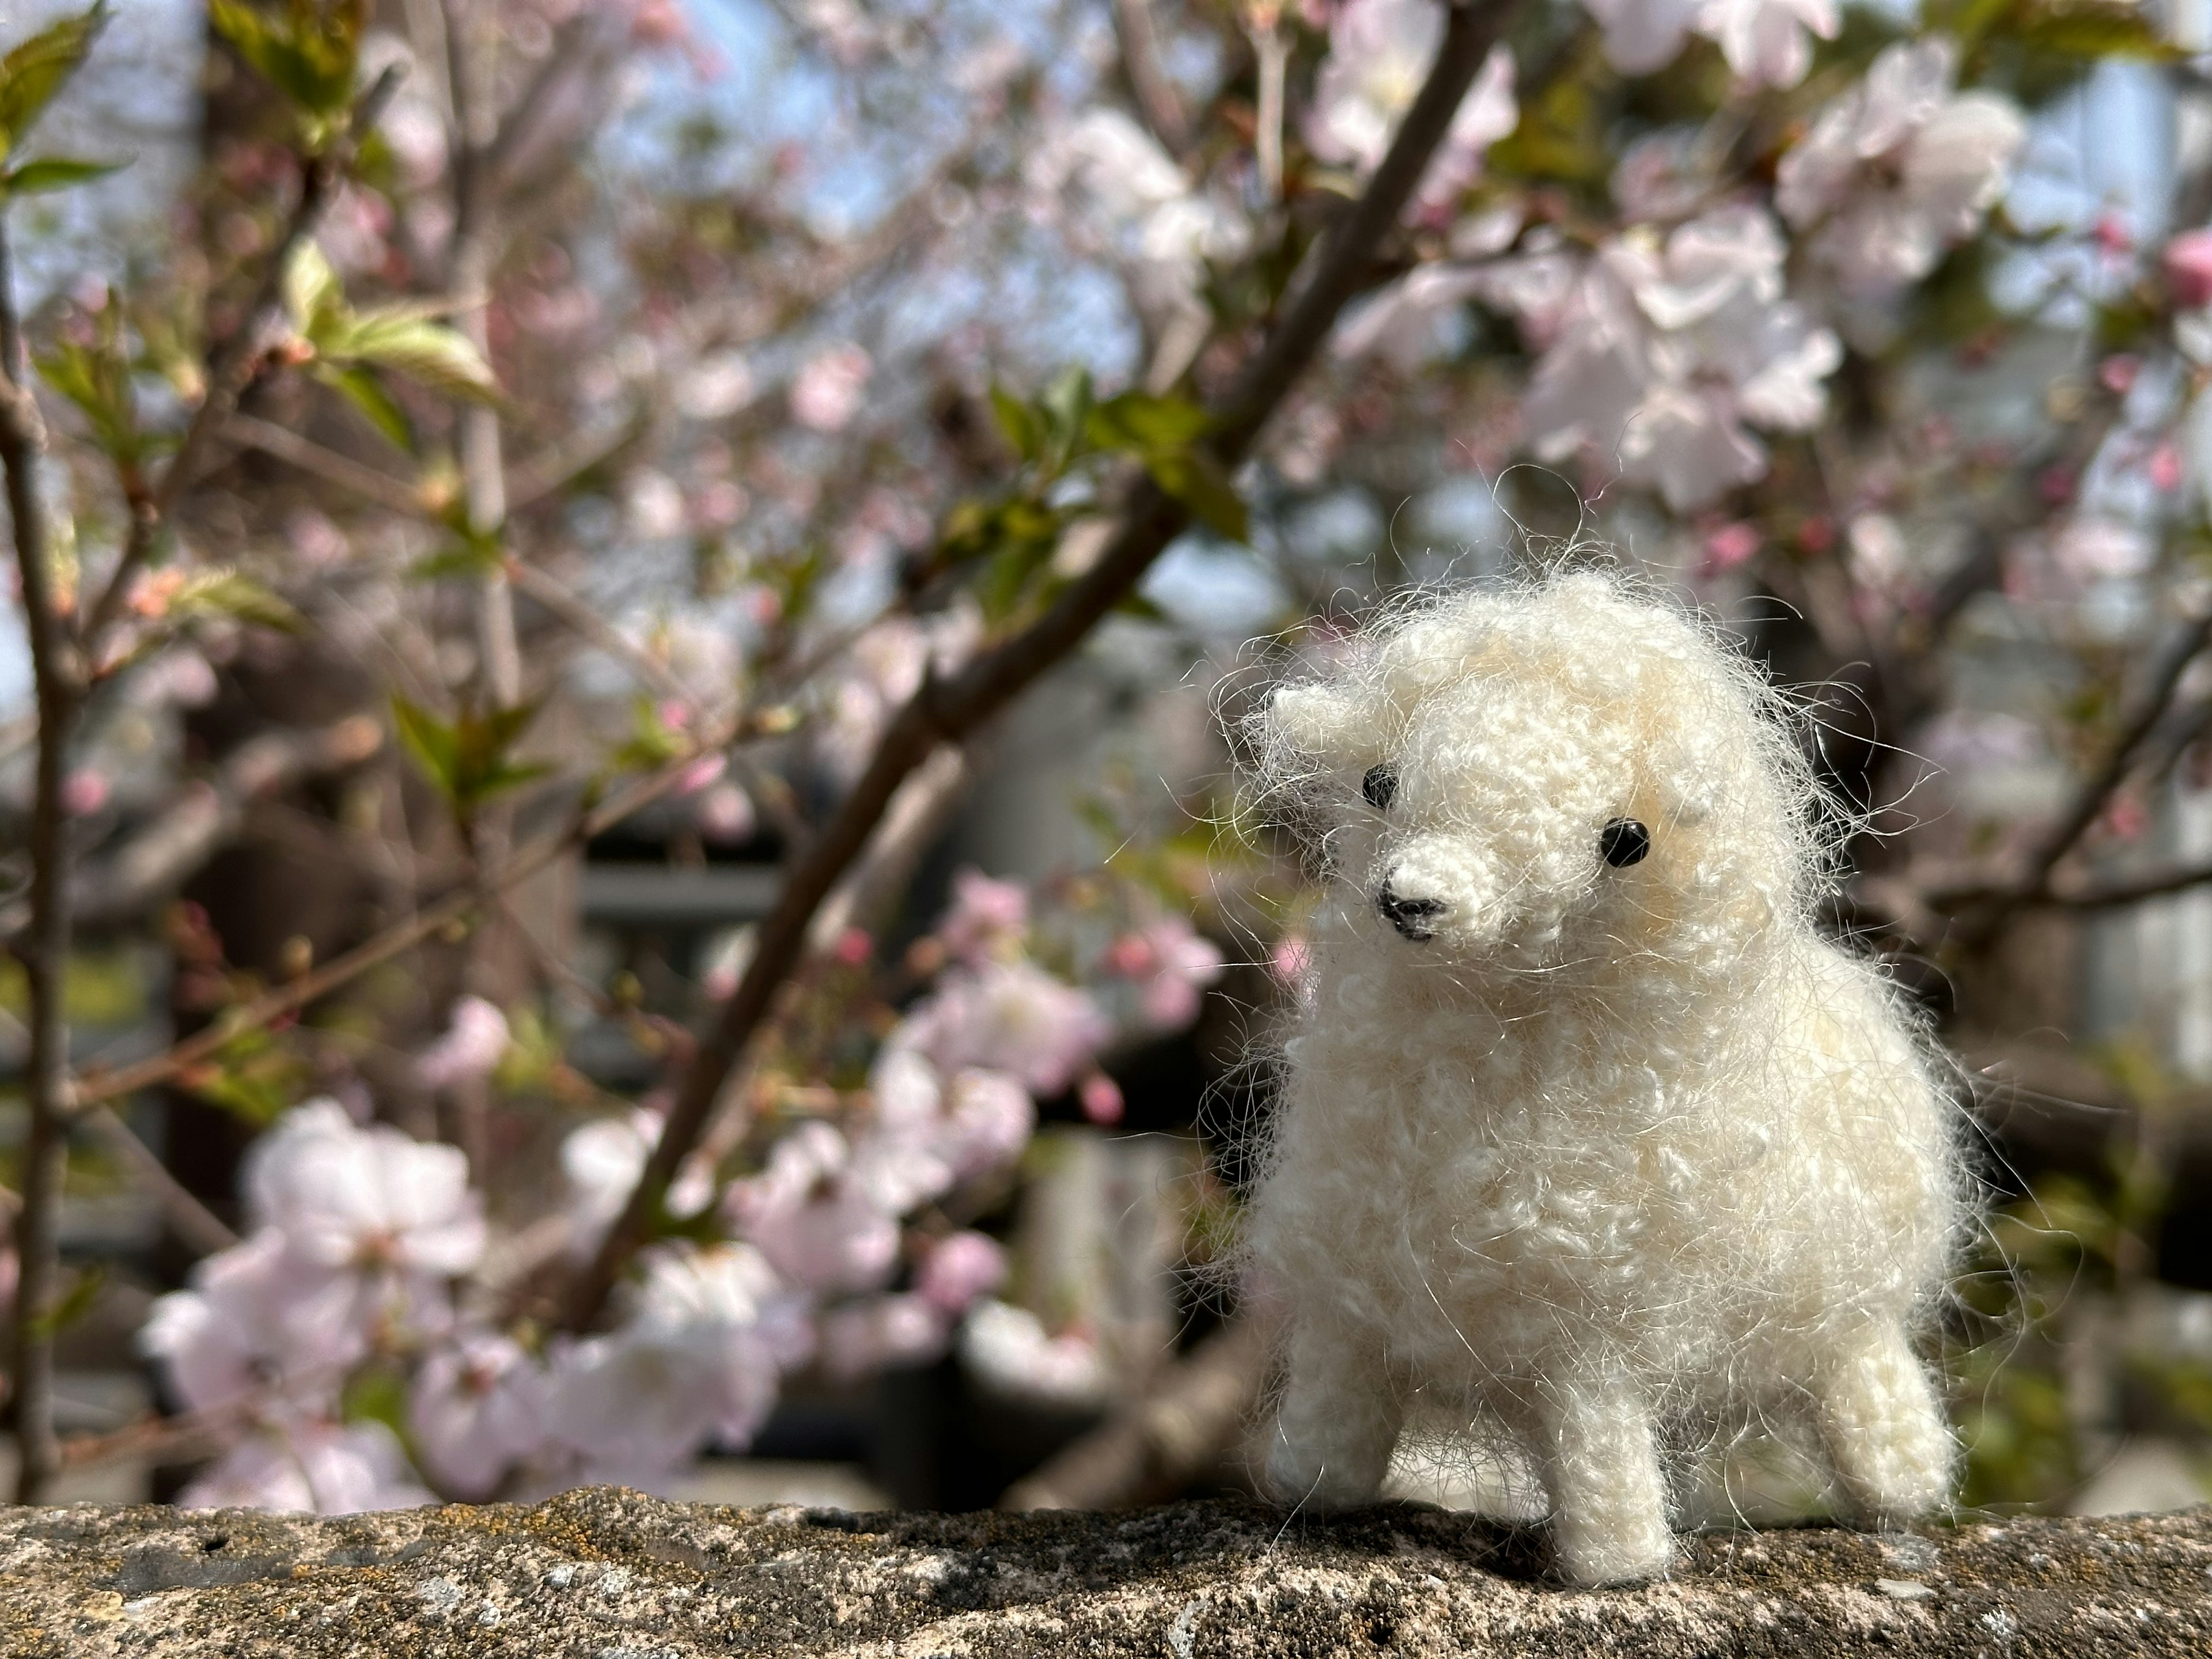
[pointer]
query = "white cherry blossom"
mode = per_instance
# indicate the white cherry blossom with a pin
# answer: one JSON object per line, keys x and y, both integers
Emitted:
{"x": 1766, "y": 42}
{"x": 1120, "y": 190}
{"x": 317, "y": 1468}
{"x": 258, "y": 1324}
{"x": 1379, "y": 54}
{"x": 701, "y": 1358}
{"x": 365, "y": 1199}
{"x": 814, "y": 1217}
{"x": 1667, "y": 353}
{"x": 1010, "y": 1353}
{"x": 477, "y": 1408}
{"x": 469, "y": 1048}
{"x": 1898, "y": 169}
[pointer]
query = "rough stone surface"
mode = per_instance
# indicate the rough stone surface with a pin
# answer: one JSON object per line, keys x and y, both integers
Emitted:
{"x": 613, "y": 1575}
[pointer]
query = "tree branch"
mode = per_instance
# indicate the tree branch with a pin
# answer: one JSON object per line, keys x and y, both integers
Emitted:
{"x": 947, "y": 712}
{"x": 1984, "y": 907}
{"x": 1141, "y": 58}
{"x": 43, "y": 948}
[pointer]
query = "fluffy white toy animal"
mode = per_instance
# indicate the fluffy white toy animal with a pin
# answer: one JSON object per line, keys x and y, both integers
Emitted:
{"x": 1585, "y": 1131}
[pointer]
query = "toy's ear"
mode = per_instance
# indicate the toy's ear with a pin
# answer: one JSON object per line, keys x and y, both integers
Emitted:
{"x": 1322, "y": 721}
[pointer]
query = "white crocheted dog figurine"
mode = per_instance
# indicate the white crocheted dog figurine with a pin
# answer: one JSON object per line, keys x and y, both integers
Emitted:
{"x": 1586, "y": 1132}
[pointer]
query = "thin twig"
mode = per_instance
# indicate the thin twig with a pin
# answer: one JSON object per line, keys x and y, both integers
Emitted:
{"x": 454, "y": 907}
{"x": 947, "y": 712}
{"x": 196, "y": 1226}
{"x": 328, "y": 465}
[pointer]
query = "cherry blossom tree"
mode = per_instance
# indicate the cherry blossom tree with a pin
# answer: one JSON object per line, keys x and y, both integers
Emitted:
{"x": 534, "y": 420}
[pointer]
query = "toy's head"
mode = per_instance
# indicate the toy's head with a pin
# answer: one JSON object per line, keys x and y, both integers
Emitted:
{"x": 1548, "y": 780}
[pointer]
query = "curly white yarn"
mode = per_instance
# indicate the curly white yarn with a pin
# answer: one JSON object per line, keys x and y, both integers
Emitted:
{"x": 1601, "y": 1154}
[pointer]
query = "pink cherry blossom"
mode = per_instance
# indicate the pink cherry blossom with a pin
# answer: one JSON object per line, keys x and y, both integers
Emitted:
{"x": 881, "y": 1333}
{"x": 2088, "y": 548}
{"x": 1101, "y": 1098}
{"x": 314, "y": 1466}
{"x": 1379, "y": 53}
{"x": 984, "y": 914}
{"x": 724, "y": 815}
{"x": 472, "y": 1046}
{"x": 1727, "y": 545}
{"x": 2187, "y": 262}
{"x": 365, "y": 1199}
{"x": 988, "y": 1118}
{"x": 84, "y": 791}
{"x": 477, "y": 1408}
{"x": 959, "y": 1268}
{"x": 1291, "y": 960}
{"x": 1897, "y": 169}
{"x": 827, "y": 393}
{"x": 813, "y": 1217}
{"x": 1172, "y": 964}
{"x": 1009, "y": 1017}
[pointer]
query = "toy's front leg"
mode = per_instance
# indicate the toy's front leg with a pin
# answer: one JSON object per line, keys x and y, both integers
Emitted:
{"x": 1608, "y": 1497}
{"x": 1884, "y": 1429}
{"x": 1339, "y": 1422}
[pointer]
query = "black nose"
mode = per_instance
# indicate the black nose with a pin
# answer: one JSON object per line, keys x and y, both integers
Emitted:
{"x": 1410, "y": 917}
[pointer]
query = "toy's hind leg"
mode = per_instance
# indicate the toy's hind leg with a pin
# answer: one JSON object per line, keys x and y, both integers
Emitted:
{"x": 1339, "y": 1423}
{"x": 1884, "y": 1429}
{"x": 1608, "y": 1497}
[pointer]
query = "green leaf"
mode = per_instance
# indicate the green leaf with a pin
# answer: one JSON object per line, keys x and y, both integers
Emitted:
{"x": 363, "y": 387}
{"x": 434, "y": 745}
{"x": 1139, "y": 421}
{"x": 35, "y": 70}
{"x": 466, "y": 556}
{"x": 96, "y": 378}
{"x": 431, "y": 354}
{"x": 651, "y": 744}
{"x": 55, "y": 172}
{"x": 313, "y": 292}
{"x": 74, "y": 1304}
{"x": 226, "y": 592}
{"x": 1196, "y": 479}
{"x": 1066, "y": 405}
{"x": 308, "y": 51}
{"x": 467, "y": 757}
{"x": 1024, "y": 428}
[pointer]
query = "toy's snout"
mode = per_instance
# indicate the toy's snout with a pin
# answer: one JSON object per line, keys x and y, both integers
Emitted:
{"x": 1414, "y": 918}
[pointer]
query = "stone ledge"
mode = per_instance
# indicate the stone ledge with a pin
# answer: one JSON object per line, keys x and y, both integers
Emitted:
{"x": 607, "y": 1574}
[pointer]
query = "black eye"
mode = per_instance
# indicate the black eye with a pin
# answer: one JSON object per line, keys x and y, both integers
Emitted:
{"x": 1380, "y": 786}
{"x": 1623, "y": 842}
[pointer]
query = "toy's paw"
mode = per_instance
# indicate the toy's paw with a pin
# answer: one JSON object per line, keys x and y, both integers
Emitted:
{"x": 1907, "y": 1479}
{"x": 1596, "y": 1556}
{"x": 1309, "y": 1477}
